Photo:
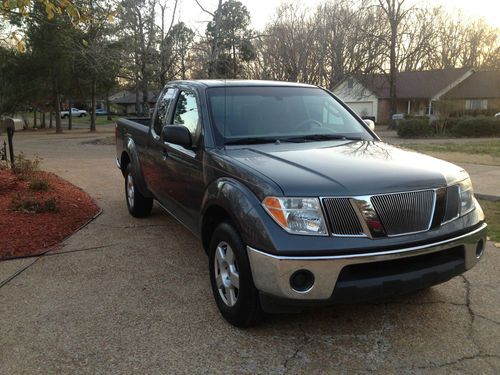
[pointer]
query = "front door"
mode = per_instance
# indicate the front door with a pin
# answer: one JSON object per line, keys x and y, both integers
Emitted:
{"x": 154, "y": 168}
{"x": 183, "y": 173}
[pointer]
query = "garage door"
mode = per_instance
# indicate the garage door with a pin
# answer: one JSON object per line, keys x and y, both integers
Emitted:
{"x": 362, "y": 108}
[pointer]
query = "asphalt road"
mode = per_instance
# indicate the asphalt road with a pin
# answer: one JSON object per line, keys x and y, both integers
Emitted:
{"x": 125, "y": 295}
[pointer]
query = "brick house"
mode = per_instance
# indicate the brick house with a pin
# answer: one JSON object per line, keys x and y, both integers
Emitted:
{"x": 480, "y": 92}
{"x": 125, "y": 101}
{"x": 420, "y": 92}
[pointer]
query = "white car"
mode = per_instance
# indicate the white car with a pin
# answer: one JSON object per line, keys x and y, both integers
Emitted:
{"x": 497, "y": 114}
{"x": 75, "y": 112}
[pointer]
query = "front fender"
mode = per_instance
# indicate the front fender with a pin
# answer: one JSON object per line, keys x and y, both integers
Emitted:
{"x": 131, "y": 149}
{"x": 243, "y": 207}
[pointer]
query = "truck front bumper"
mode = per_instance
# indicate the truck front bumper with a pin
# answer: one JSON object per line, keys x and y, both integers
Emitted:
{"x": 358, "y": 277}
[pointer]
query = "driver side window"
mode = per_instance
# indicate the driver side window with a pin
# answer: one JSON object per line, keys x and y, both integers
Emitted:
{"x": 187, "y": 113}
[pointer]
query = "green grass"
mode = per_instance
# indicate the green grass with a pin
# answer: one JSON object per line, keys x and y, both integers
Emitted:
{"x": 100, "y": 120}
{"x": 491, "y": 148}
{"x": 492, "y": 213}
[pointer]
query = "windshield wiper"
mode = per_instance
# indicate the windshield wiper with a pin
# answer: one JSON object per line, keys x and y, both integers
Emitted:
{"x": 251, "y": 141}
{"x": 322, "y": 137}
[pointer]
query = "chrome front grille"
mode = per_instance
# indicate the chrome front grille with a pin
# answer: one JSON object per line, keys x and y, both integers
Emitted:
{"x": 342, "y": 217}
{"x": 403, "y": 213}
{"x": 382, "y": 215}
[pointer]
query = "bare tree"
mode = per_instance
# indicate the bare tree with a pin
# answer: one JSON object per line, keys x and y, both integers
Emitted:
{"x": 395, "y": 13}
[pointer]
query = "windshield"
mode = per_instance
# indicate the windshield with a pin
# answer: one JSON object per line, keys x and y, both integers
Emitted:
{"x": 254, "y": 114}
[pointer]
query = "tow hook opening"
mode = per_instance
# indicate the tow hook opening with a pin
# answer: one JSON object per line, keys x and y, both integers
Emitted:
{"x": 479, "y": 249}
{"x": 302, "y": 281}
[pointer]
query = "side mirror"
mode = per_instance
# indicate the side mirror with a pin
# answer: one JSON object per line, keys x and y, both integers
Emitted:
{"x": 177, "y": 134}
{"x": 370, "y": 124}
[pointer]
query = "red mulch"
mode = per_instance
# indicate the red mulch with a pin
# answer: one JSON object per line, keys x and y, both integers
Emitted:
{"x": 23, "y": 234}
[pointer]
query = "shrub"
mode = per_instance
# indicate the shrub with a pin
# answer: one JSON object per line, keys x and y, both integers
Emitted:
{"x": 442, "y": 127}
{"x": 38, "y": 184}
{"x": 477, "y": 127}
{"x": 415, "y": 128}
{"x": 475, "y": 112}
{"x": 25, "y": 168}
{"x": 30, "y": 205}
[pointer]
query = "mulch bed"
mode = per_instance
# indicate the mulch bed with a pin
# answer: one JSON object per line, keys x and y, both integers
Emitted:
{"x": 25, "y": 233}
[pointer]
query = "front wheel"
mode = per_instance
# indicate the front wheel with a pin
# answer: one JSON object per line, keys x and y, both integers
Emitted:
{"x": 138, "y": 205}
{"x": 231, "y": 278}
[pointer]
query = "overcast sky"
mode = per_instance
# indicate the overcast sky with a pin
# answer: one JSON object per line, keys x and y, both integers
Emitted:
{"x": 262, "y": 10}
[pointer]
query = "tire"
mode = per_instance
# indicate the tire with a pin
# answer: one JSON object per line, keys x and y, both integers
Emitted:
{"x": 138, "y": 205}
{"x": 65, "y": 116}
{"x": 238, "y": 302}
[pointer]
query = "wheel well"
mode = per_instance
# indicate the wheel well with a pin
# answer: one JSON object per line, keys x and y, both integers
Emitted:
{"x": 124, "y": 162}
{"x": 213, "y": 217}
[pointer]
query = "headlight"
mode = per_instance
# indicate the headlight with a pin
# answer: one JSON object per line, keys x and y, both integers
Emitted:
{"x": 297, "y": 215}
{"x": 466, "y": 196}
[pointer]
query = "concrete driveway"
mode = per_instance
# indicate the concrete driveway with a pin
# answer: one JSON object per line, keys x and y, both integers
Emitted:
{"x": 132, "y": 296}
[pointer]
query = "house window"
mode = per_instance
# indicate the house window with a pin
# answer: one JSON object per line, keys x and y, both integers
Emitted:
{"x": 350, "y": 83}
{"x": 476, "y": 104}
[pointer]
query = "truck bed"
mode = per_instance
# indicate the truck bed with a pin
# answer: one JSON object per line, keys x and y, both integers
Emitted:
{"x": 144, "y": 121}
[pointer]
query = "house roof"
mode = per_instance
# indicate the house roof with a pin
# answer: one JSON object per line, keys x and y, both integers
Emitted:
{"x": 485, "y": 84}
{"x": 414, "y": 84}
{"x": 129, "y": 98}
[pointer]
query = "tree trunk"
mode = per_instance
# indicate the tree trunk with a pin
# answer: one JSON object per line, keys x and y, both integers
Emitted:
{"x": 108, "y": 104}
{"x": 137, "y": 99}
{"x": 393, "y": 71}
{"x": 92, "y": 114}
{"x": 235, "y": 65}
{"x": 214, "y": 58}
{"x": 43, "y": 124}
{"x": 34, "y": 119}
{"x": 145, "y": 101}
{"x": 50, "y": 119}
{"x": 57, "y": 107}
{"x": 70, "y": 115}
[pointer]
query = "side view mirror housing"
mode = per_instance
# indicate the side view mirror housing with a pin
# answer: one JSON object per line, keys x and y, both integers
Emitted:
{"x": 370, "y": 124}
{"x": 177, "y": 134}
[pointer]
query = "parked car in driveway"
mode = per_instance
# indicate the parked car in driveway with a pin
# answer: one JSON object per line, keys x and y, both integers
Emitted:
{"x": 101, "y": 112}
{"x": 296, "y": 201}
{"x": 75, "y": 112}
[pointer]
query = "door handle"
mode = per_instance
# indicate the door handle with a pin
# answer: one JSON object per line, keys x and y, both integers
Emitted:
{"x": 164, "y": 154}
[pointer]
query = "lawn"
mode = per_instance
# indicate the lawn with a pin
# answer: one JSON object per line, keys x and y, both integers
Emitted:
{"x": 492, "y": 213}
{"x": 486, "y": 148}
{"x": 100, "y": 120}
{"x": 487, "y": 152}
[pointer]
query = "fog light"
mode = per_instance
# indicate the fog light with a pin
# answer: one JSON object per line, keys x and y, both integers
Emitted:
{"x": 479, "y": 249}
{"x": 302, "y": 280}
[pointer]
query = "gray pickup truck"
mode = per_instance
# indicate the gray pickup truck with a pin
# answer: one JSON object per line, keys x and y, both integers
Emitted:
{"x": 296, "y": 200}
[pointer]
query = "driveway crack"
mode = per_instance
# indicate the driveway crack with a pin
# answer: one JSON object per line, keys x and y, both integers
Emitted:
{"x": 304, "y": 342}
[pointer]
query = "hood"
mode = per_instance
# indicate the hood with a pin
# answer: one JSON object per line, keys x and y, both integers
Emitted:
{"x": 345, "y": 168}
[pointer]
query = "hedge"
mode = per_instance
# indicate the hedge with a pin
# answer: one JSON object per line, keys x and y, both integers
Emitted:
{"x": 414, "y": 128}
{"x": 452, "y": 127}
{"x": 477, "y": 127}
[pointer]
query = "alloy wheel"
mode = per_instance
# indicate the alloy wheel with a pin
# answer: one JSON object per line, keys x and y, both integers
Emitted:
{"x": 227, "y": 276}
{"x": 130, "y": 190}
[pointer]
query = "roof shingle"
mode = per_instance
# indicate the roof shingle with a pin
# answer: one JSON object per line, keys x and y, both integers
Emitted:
{"x": 413, "y": 85}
